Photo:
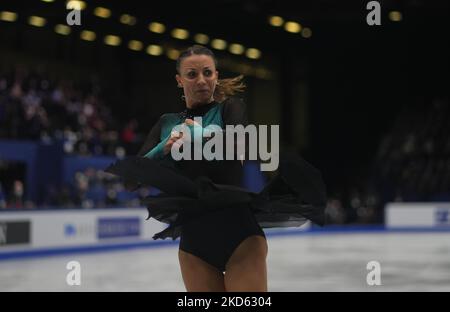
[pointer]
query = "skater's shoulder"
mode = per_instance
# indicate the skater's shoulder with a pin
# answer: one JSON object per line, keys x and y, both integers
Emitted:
{"x": 166, "y": 117}
{"x": 233, "y": 100}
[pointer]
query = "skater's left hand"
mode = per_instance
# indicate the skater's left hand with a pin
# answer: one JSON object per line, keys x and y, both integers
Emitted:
{"x": 191, "y": 122}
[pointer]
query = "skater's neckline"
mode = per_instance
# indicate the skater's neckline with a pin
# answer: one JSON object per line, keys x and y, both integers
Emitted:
{"x": 199, "y": 110}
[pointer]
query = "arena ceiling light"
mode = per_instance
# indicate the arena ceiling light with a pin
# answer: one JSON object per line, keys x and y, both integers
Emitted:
{"x": 154, "y": 50}
{"x": 62, "y": 29}
{"x": 244, "y": 69}
{"x": 262, "y": 73}
{"x": 253, "y": 53}
{"x": 37, "y": 21}
{"x": 102, "y": 12}
{"x": 157, "y": 27}
{"x": 276, "y": 21}
{"x": 112, "y": 40}
{"x": 219, "y": 44}
{"x": 292, "y": 27}
{"x": 88, "y": 35}
{"x": 76, "y": 5}
{"x": 173, "y": 54}
{"x": 127, "y": 19}
{"x": 135, "y": 45}
{"x": 48, "y": 1}
{"x": 395, "y": 16}
{"x": 8, "y": 16}
{"x": 201, "y": 38}
{"x": 180, "y": 33}
{"x": 236, "y": 48}
{"x": 306, "y": 32}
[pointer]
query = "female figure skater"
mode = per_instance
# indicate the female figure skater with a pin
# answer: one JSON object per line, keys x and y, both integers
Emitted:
{"x": 222, "y": 246}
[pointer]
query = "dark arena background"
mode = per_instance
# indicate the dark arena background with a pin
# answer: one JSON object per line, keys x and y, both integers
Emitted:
{"x": 366, "y": 103}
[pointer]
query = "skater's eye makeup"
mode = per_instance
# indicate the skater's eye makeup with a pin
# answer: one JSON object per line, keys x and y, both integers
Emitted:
{"x": 191, "y": 74}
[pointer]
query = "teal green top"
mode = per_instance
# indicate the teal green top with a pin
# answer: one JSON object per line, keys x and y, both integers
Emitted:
{"x": 168, "y": 121}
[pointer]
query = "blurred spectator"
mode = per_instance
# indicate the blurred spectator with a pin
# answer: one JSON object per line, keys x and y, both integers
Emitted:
{"x": 33, "y": 107}
{"x": 412, "y": 164}
{"x": 413, "y": 160}
{"x": 16, "y": 200}
{"x": 334, "y": 211}
{"x": 93, "y": 188}
{"x": 2, "y": 197}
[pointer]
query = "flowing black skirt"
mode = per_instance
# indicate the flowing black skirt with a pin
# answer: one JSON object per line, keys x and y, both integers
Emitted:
{"x": 294, "y": 195}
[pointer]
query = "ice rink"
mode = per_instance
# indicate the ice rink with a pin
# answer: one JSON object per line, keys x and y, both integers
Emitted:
{"x": 298, "y": 262}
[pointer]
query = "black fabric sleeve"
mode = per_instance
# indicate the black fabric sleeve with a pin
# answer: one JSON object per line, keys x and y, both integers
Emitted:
{"x": 153, "y": 138}
{"x": 234, "y": 112}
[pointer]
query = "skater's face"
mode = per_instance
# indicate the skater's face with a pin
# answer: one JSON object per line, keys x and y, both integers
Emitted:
{"x": 198, "y": 78}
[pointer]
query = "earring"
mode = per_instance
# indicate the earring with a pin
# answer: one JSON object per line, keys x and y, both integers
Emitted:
{"x": 180, "y": 86}
{"x": 183, "y": 98}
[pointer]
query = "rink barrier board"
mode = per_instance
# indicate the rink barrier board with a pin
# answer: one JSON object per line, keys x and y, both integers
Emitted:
{"x": 64, "y": 232}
